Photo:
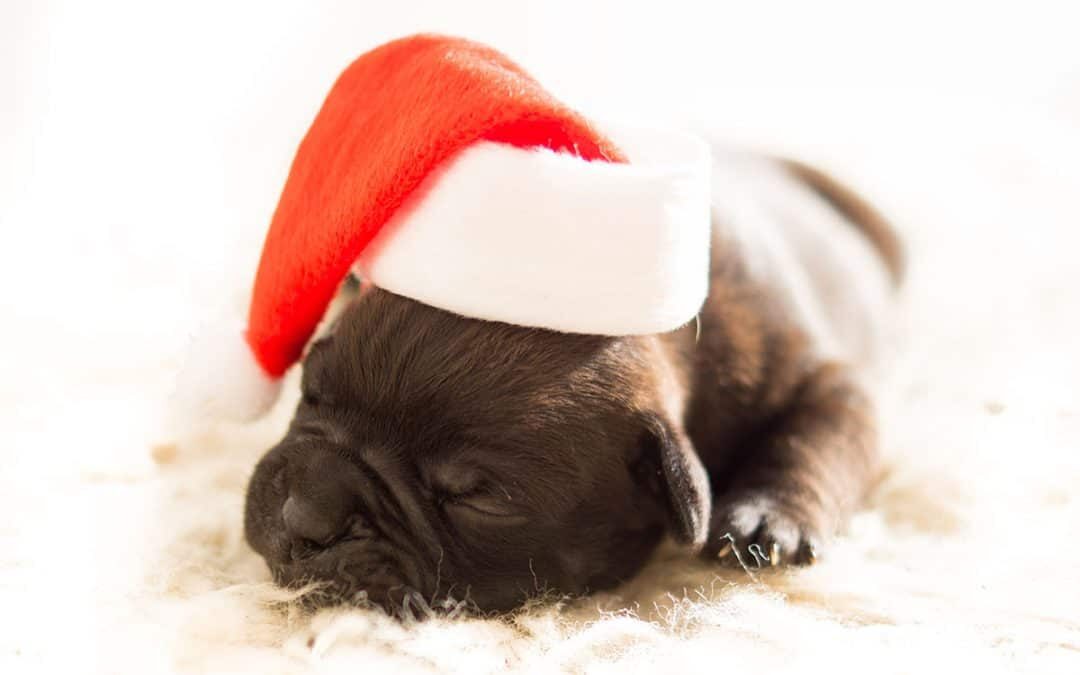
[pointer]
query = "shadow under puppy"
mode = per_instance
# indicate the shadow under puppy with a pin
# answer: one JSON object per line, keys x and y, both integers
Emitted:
{"x": 454, "y": 457}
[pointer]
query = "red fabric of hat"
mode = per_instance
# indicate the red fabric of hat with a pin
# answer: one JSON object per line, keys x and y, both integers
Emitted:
{"x": 394, "y": 115}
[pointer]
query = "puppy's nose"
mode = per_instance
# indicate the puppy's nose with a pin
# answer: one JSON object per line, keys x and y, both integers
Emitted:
{"x": 315, "y": 523}
{"x": 322, "y": 498}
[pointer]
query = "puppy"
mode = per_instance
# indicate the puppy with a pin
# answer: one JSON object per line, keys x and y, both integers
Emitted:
{"x": 449, "y": 457}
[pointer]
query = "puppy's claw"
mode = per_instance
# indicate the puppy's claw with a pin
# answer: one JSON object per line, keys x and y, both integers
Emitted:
{"x": 807, "y": 554}
{"x": 760, "y": 534}
{"x": 724, "y": 551}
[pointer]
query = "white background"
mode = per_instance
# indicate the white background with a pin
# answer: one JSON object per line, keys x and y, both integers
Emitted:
{"x": 143, "y": 144}
{"x": 164, "y": 130}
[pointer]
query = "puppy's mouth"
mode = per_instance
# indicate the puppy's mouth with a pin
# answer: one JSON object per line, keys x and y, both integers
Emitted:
{"x": 356, "y": 560}
{"x": 331, "y": 533}
{"x": 363, "y": 568}
{"x": 370, "y": 575}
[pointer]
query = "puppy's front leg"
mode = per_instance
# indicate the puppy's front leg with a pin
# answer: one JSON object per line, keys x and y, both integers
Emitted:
{"x": 798, "y": 478}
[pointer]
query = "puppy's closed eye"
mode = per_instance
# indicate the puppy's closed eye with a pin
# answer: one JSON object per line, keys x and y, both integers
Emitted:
{"x": 466, "y": 492}
{"x": 487, "y": 499}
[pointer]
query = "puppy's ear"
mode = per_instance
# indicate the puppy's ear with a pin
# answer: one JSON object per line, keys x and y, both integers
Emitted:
{"x": 670, "y": 468}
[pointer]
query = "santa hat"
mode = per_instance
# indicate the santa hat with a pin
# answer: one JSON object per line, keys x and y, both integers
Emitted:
{"x": 443, "y": 172}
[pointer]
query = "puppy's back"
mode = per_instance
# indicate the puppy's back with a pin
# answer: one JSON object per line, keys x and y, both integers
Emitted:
{"x": 818, "y": 253}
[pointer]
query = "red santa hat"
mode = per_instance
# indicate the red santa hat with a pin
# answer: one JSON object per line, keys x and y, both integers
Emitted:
{"x": 443, "y": 172}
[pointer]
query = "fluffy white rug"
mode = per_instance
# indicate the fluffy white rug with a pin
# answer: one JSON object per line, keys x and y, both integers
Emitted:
{"x": 968, "y": 556}
{"x": 114, "y": 559}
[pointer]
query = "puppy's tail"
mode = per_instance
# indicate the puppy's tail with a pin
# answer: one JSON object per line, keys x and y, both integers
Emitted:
{"x": 877, "y": 229}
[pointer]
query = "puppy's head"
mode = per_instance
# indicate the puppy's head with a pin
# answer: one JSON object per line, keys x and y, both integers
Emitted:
{"x": 449, "y": 457}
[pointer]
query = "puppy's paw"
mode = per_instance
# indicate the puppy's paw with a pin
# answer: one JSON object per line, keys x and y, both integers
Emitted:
{"x": 754, "y": 530}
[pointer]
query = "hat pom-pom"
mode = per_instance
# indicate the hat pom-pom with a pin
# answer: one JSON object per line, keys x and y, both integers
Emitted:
{"x": 221, "y": 381}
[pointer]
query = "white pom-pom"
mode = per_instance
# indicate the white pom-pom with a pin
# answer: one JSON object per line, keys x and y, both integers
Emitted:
{"x": 221, "y": 381}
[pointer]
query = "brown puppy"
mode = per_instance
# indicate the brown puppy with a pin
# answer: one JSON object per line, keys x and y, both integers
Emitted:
{"x": 437, "y": 457}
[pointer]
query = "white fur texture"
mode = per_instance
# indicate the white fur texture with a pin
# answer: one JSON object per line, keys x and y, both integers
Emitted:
{"x": 544, "y": 239}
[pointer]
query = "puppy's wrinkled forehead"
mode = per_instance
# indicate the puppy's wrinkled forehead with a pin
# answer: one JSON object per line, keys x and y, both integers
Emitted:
{"x": 389, "y": 358}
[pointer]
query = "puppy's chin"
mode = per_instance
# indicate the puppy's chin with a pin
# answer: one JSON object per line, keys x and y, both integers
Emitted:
{"x": 356, "y": 565}
{"x": 357, "y": 573}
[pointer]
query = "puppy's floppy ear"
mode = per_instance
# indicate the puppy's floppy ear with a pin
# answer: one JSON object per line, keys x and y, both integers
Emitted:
{"x": 671, "y": 469}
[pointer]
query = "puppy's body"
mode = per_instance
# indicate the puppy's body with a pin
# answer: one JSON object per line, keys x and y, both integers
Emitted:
{"x": 454, "y": 457}
{"x": 803, "y": 277}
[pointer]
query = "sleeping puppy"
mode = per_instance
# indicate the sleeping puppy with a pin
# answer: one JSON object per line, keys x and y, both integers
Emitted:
{"x": 448, "y": 457}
